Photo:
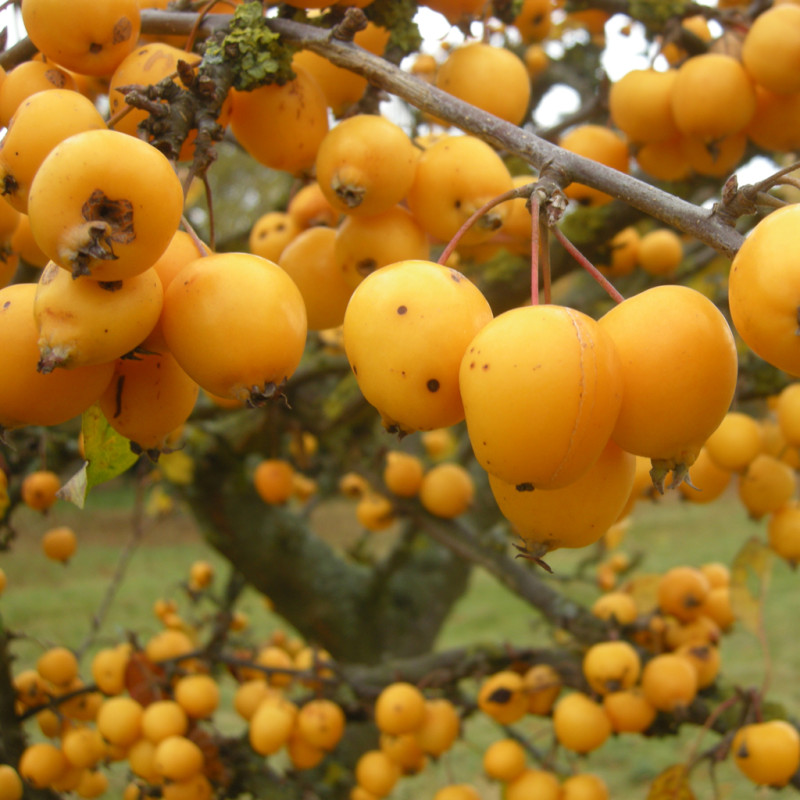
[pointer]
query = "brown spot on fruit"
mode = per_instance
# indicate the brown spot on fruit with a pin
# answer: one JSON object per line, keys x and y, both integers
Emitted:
{"x": 402, "y": 310}
{"x": 433, "y": 385}
{"x": 123, "y": 29}
{"x": 524, "y": 487}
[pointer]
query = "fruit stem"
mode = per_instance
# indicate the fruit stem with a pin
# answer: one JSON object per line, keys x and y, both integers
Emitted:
{"x": 588, "y": 266}
{"x": 534, "y": 249}
{"x": 511, "y": 194}
{"x": 544, "y": 259}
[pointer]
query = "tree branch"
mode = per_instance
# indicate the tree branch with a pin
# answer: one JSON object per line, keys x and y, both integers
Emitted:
{"x": 661, "y": 205}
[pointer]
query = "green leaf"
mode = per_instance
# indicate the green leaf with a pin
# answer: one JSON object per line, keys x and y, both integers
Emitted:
{"x": 107, "y": 455}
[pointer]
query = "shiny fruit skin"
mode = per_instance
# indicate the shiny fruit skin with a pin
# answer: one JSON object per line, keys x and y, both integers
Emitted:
{"x": 104, "y": 193}
{"x": 544, "y": 380}
{"x": 25, "y": 80}
{"x": 736, "y": 442}
{"x": 447, "y": 490}
{"x": 473, "y": 72}
{"x": 671, "y": 403}
{"x": 38, "y": 125}
{"x": 669, "y": 682}
{"x": 364, "y": 244}
{"x": 148, "y": 398}
{"x": 771, "y": 49}
{"x": 100, "y": 35}
{"x": 271, "y": 233}
{"x": 281, "y": 127}
{"x": 365, "y": 165}
{"x": 82, "y": 321}
{"x": 712, "y": 96}
{"x": 640, "y": 106}
{"x": 236, "y": 323}
{"x": 764, "y": 290}
{"x": 405, "y": 330}
{"x": 309, "y": 260}
{"x": 455, "y": 177}
{"x": 767, "y": 485}
{"x": 580, "y": 723}
{"x": 33, "y": 398}
{"x": 707, "y": 481}
{"x": 599, "y": 144}
{"x": 768, "y": 753}
{"x": 575, "y": 515}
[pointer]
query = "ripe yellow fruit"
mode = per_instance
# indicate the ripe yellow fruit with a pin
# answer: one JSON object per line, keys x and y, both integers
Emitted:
{"x": 82, "y": 321}
{"x": 39, "y": 489}
{"x": 374, "y": 511}
{"x": 473, "y": 72}
{"x": 669, "y": 682}
{"x": 670, "y": 406}
{"x": 617, "y": 607}
{"x": 27, "y": 79}
{"x": 59, "y": 544}
{"x": 163, "y": 718}
{"x": 575, "y": 515}
{"x": 281, "y": 126}
{"x": 767, "y": 485}
{"x": 42, "y": 764}
{"x": 584, "y": 787}
{"x": 148, "y": 398}
{"x": 366, "y": 243}
{"x": 393, "y": 319}
{"x": 273, "y": 480}
{"x": 400, "y": 708}
{"x": 502, "y": 697}
{"x": 768, "y": 753}
{"x": 105, "y": 204}
{"x": 771, "y": 49}
{"x": 100, "y": 37}
{"x": 236, "y": 323}
{"x": 271, "y": 233}
{"x": 629, "y": 710}
{"x": 611, "y": 666}
{"x": 403, "y": 473}
{"x": 543, "y": 380}
{"x": 455, "y": 177}
{"x": 599, "y": 144}
{"x": 640, "y": 105}
{"x": 736, "y": 442}
{"x": 119, "y": 720}
{"x": 58, "y": 665}
{"x": 310, "y": 262}
{"x": 660, "y": 252}
{"x": 40, "y": 122}
{"x": 177, "y": 758}
{"x": 712, "y": 96}
{"x": 10, "y": 783}
{"x": 440, "y": 726}
{"x": 83, "y": 747}
{"x": 376, "y": 772}
{"x": 682, "y": 592}
{"x": 271, "y": 725}
{"x": 505, "y": 760}
{"x": 108, "y": 669}
{"x": 542, "y": 685}
{"x": 321, "y": 723}
{"x": 707, "y": 481}
{"x": 447, "y": 490}
{"x": 536, "y": 783}
{"x": 366, "y": 165}
{"x": 580, "y": 724}
{"x": 198, "y": 695}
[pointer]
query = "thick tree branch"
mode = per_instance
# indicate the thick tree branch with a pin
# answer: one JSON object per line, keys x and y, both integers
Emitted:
{"x": 661, "y": 205}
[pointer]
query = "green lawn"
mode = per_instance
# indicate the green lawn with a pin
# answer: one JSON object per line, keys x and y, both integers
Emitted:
{"x": 54, "y": 604}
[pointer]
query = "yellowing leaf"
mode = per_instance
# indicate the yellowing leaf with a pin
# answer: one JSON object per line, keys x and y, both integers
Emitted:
{"x": 672, "y": 784}
{"x": 644, "y": 590}
{"x": 107, "y": 455}
{"x": 750, "y": 573}
{"x": 177, "y": 467}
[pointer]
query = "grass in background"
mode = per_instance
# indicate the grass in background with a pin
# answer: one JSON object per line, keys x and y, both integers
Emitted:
{"x": 52, "y": 603}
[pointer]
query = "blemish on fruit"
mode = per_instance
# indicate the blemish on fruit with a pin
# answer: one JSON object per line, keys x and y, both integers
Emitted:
{"x": 123, "y": 29}
{"x": 524, "y": 487}
{"x": 485, "y": 367}
{"x": 402, "y": 310}
{"x": 433, "y": 385}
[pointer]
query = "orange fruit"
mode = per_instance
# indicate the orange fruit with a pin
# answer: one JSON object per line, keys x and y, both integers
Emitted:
{"x": 281, "y": 126}
{"x": 104, "y": 204}
{"x": 504, "y": 760}
{"x": 99, "y": 36}
{"x": 580, "y": 724}
{"x": 447, "y": 490}
{"x": 544, "y": 380}
{"x": 611, "y": 666}
{"x": 400, "y": 708}
{"x": 392, "y": 320}
{"x": 273, "y": 480}
{"x": 640, "y": 105}
{"x": 60, "y": 543}
{"x": 39, "y": 489}
{"x": 669, "y": 682}
{"x": 25, "y": 80}
{"x": 736, "y": 442}
{"x": 600, "y": 144}
{"x": 771, "y": 49}
{"x": 768, "y": 753}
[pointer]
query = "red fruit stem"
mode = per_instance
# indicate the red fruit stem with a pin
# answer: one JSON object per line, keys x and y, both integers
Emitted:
{"x": 535, "y": 250}
{"x": 588, "y": 266}
{"x": 544, "y": 259}
{"x": 511, "y": 194}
